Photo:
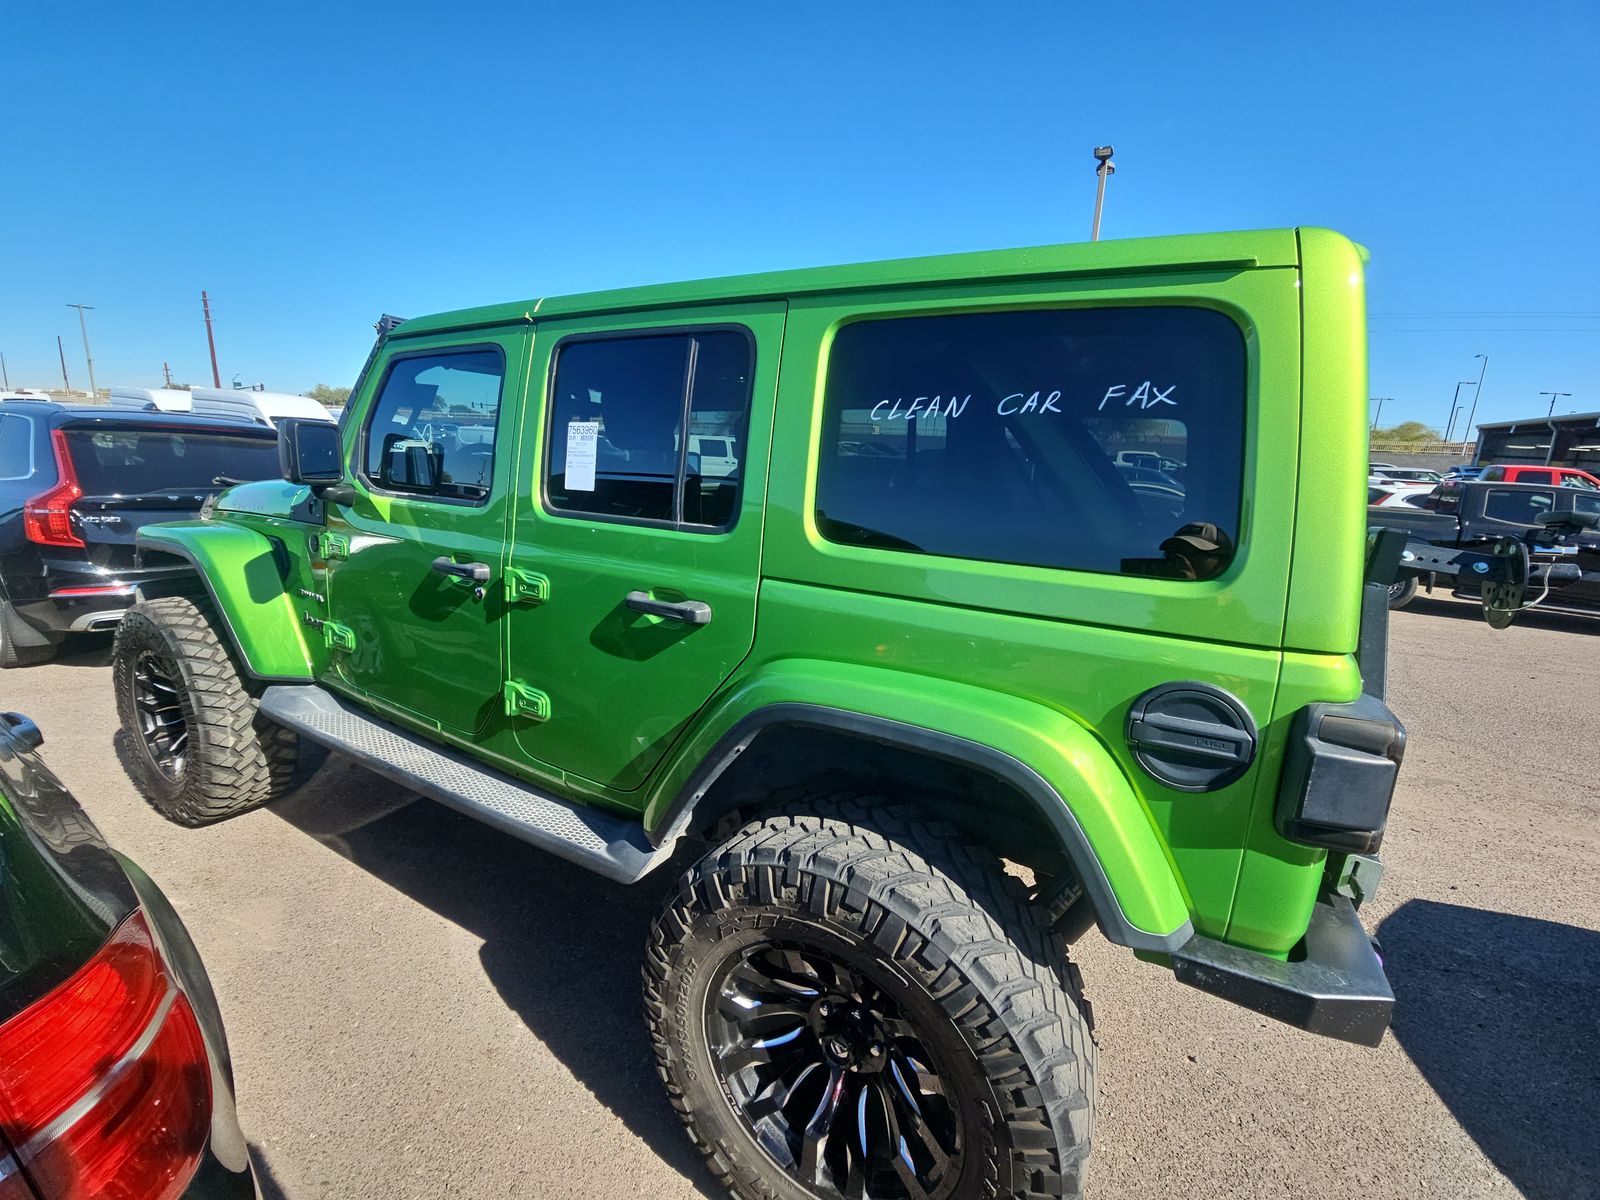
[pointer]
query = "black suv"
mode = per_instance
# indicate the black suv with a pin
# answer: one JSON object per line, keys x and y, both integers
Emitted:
{"x": 76, "y": 483}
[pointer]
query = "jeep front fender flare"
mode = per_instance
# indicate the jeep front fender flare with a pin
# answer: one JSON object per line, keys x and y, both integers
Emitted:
{"x": 1052, "y": 761}
{"x": 244, "y": 576}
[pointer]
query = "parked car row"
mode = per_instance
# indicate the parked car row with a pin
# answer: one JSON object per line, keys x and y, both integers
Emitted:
{"x": 1460, "y": 532}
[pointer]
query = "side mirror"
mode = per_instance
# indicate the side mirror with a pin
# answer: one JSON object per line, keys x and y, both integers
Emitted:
{"x": 1568, "y": 520}
{"x": 309, "y": 451}
{"x": 410, "y": 464}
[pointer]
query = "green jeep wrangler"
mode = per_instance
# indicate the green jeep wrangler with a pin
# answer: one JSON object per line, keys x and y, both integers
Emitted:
{"x": 1020, "y": 592}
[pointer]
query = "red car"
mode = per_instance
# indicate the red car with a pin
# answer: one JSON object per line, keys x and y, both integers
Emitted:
{"x": 1561, "y": 476}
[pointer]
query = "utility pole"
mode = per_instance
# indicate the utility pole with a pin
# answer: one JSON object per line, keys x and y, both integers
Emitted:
{"x": 167, "y": 371}
{"x": 87, "y": 357}
{"x": 1103, "y": 167}
{"x": 1554, "y": 396}
{"x": 66, "y": 384}
{"x": 1455, "y": 407}
{"x": 1476, "y": 396}
{"x": 1379, "y": 413}
{"x": 205, "y": 303}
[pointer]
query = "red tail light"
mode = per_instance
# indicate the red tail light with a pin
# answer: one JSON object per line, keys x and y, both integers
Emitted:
{"x": 47, "y": 518}
{"x": 105, "y": 1088}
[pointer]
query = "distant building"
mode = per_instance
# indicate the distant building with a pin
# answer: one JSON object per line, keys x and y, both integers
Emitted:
{"x": 1569, "y": 441}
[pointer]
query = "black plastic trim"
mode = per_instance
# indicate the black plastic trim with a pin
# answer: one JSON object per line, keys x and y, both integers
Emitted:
{"x": 1339, "y": 773}
{"x": 1038, "y": 791}
{"x": 1333, "y": 985}
{"x": 616, "y": 847}
{"x": 1157, "y": 738}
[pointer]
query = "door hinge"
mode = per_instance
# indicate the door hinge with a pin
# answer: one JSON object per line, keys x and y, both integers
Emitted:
{"x": 526, "y": 587}
{"x": 338, "y": 637}
{"x": 330, "y": 545}
{"x": 525, "y": 701}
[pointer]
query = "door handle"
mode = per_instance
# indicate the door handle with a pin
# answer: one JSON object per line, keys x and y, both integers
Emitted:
{"x": 471, "y": 572}
{"x": 691, "y": 612}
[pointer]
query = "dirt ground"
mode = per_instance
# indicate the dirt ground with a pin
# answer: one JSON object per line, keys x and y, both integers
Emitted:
{"x": 422, "y": 1007}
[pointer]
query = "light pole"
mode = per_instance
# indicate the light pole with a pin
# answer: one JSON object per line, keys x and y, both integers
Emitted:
{"x": 1379, "y": 413}
{"x": 87, "y": 357}
{"x": 1554, "y": 396}
{"x": 1103, "y": 167}
{"x": 1454, "y": 409}
{"x": 1476, "y": 396}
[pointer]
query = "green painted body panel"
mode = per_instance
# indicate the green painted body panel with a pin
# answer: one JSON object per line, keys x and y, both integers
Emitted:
{"x": 623, "y": 685}
{"x": 562, "y": 686}
{"x": 263, "y": 498}
{"x": 244, "y": 570}
{"x": 424, "y": 645}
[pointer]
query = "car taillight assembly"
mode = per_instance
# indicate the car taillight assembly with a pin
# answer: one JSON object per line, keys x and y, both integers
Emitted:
{"x": 105, "y": 1087}
{"x": 47, "y": 518}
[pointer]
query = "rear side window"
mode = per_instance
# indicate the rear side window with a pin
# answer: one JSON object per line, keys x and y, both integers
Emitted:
{"x": 442, "y": 406}
{"x": 1525, "y": 508}
{"x": 619, "y": 410}
{"x": 16, "y": 447}
{"x": 1107, "y": 440}
{"x": 131, "y": 462}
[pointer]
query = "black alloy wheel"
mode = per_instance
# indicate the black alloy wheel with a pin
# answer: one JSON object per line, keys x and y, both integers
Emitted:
{"x": 830, "y": 1077}
{"x": 163, "y": 725}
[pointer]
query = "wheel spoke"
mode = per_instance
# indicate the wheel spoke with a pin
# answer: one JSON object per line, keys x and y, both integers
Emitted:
{"x": 752, "y": 981}
{"x": 814, "y": 1142}
{"x": 744, "y": 1054}
{"x": 916, "y": 1137}
{"x": 774, "y": 1098}
{"x": 760, "y": 1018}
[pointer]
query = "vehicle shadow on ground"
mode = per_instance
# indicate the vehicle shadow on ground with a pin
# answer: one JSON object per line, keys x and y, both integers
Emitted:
{"x": 1443, "y": 604}
{"x": 1501, "y": 1014}
{"x": 561, "y": 945}
{"x": 85, "y": 650}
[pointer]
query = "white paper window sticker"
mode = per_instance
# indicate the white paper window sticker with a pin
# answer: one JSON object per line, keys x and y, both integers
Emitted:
{"x": 583, "y": 438}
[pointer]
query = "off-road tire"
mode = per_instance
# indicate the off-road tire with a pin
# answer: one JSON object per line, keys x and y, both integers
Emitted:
{"x": 1402, "y": 592}
{"x": 236, "y": 760}
{"x": 915, "y": 899}
{"x": 12, "y": 654}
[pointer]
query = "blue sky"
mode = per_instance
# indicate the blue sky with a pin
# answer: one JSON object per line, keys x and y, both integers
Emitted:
{"x": 314, "y": 166}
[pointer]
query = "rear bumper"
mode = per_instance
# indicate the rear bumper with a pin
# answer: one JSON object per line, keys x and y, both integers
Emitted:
{"x": 1333, "y": 983}
{"x": 78, "y": 597}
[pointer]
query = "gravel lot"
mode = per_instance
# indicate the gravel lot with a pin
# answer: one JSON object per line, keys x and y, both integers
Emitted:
{"x": 422, "y": 1007}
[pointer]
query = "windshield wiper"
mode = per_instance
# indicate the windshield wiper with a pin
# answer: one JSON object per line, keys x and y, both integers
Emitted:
{"x": 227, "y": 480}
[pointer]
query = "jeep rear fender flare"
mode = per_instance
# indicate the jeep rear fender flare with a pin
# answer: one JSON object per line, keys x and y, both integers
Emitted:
{"x": 1052, "y": 761}
{"x": 244, "y": 575}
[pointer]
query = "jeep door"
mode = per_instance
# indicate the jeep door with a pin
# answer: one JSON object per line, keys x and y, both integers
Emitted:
{"x": 409, "y": 627}
{"x": 633, "y": 568}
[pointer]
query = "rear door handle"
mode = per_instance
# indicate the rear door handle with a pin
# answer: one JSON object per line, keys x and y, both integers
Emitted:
{"x": 471, "y": 572}
{"x": 691, "y": 612}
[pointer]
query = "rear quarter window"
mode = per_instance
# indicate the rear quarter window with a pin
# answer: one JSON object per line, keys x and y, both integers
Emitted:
{"x": 1027, "y": 437}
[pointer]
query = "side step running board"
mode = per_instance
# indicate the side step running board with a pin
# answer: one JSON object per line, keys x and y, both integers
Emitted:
{"x": 611, "y": 846}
